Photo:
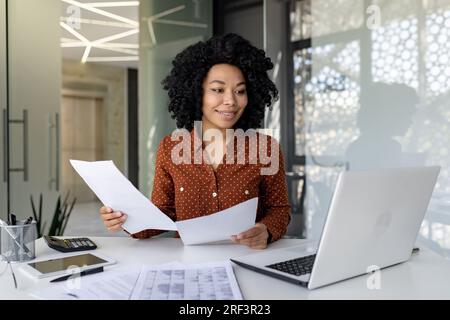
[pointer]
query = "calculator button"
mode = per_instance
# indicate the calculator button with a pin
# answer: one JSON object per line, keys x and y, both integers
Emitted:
{"x": 68, "y": 244}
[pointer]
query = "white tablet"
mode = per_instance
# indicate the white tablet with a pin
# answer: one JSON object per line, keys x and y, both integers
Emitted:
{"x": 66, "y": 265}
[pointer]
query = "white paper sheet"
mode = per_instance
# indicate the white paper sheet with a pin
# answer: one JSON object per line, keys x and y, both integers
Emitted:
{"x": 117, "y": 192}
{"x": 209, "y": 281}
{"x": 219, "y": 226}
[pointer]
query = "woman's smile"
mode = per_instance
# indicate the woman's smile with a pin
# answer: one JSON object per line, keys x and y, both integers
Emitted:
{"x": 226, "y": 115}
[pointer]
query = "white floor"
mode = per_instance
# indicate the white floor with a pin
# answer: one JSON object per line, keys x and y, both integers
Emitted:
{"x": 85, "y": 221}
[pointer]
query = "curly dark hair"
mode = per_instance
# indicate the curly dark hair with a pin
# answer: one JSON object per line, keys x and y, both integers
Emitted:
{"x": 190, "y": 67}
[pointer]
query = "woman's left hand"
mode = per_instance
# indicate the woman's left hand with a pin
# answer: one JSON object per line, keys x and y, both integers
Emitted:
{"x": 255, "y": 238}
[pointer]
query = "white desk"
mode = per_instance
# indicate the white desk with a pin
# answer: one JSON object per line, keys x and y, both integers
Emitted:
{"x": 425, "y": 276}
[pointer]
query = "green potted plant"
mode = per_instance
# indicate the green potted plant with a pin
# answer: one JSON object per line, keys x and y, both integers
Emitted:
{"x": 61, "y": 215}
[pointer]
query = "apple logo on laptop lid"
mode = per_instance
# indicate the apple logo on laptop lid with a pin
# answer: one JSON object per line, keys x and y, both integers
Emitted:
{"x": 383, "y": 222}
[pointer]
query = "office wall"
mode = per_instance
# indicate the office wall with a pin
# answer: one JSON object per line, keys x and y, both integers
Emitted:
{"x": 160, "y": 40}
{"x": 111, "y": 82}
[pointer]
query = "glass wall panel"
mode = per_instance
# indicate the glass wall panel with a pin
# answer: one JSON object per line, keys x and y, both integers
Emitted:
{"x": 375, "y": 94}
{"x": 167, "y": 27}
{"x": 34, "y": 90}
{"x": 3, "y": 102}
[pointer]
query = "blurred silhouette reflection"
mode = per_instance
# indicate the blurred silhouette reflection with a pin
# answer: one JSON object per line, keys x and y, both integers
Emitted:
{"x": 386, "y": 113}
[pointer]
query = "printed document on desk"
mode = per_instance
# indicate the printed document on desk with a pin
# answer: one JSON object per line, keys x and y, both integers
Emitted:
{"x": 207, "y": 281}
{"x": 167, "y": 281}
{"x": 117, "y": 192}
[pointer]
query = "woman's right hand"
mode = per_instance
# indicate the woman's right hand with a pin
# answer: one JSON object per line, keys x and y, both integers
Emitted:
{"x": 113, "y": 220}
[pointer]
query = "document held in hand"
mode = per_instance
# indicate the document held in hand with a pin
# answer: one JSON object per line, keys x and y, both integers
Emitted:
{"x": 116, "y": 191}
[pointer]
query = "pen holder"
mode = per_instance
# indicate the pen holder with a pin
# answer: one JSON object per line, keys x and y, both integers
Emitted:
{"x": 17, "y": 242}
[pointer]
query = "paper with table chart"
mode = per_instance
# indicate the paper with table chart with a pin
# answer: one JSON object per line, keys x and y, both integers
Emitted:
{"x": 116, "y": 191}
{"x": 170, "y": 281}
{"x": 212, "y": 281}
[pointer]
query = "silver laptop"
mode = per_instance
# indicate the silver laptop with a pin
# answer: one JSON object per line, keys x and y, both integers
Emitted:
{"x": 373, "y": 221}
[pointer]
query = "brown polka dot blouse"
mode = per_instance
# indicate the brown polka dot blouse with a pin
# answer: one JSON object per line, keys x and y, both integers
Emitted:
{"x": 188, "y": 190}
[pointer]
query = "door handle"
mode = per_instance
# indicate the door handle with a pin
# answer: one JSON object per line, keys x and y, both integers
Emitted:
{"x": 24, "y": 123}
{"x": 25, "y": 145}
{"x": 57, "y": 127}
{"x": 54, "y": 124}
{"x": 5, "y": 143}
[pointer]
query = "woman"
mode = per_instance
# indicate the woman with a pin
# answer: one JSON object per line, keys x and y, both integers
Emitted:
{"x": 223, "y": 83}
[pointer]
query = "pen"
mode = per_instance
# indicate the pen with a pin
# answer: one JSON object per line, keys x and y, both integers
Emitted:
{"x": 13, "y": 219}
{"x": 82, "y": 273}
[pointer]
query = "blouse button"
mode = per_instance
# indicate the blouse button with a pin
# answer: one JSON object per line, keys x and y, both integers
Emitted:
{"x": 214, "y": 194}
{"x": 181, "y": 189}
{"x": 246, "y": 192}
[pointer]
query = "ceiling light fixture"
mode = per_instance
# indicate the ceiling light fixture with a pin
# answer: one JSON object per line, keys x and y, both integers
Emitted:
{"x": 156, "y": 19}
{"x": 86, "y": 54}
{"x": 97, "y": 22}
{"x": 72, "y": 31}
{"x": 113, "y": 4}
{"x": 108, "y": 59}
{"x": 151, "y": 19}
{"x": 105, "y": 42}
{"x": 120, "y": 50}
{"x": 116, "y": 36}
{"x": 181, "y": 23}
{"x": 78, "y": 44}
{"x": 100, "y": 46}
{"x": 102, "y": 12}
{"x": 100, "y": 43}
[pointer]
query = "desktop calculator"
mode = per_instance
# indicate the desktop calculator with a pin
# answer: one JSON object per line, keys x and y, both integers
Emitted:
{"x": 70, "y": 245}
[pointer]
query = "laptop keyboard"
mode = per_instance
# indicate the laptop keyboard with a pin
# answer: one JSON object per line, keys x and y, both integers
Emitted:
{"x": 297, "y": 267}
